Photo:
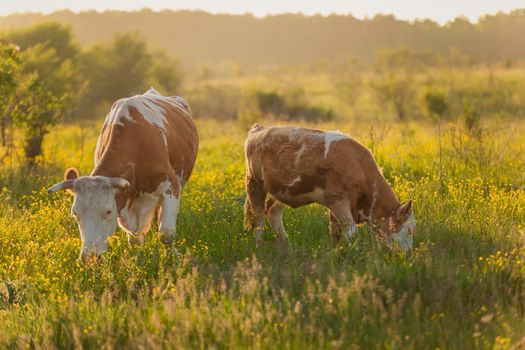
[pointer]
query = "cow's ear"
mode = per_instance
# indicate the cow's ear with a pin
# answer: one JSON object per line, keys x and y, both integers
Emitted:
{"x": 71, "y": 174}
{"x": 404, "y": 211}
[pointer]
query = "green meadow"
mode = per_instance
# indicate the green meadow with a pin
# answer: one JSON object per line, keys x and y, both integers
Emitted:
{"x": 462, "y": 287}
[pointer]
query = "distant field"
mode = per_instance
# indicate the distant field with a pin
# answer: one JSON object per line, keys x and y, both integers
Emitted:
{"x": 463, "y": 287}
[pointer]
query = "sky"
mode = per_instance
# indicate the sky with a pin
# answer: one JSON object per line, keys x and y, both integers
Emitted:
{"x": 438, "y": 10}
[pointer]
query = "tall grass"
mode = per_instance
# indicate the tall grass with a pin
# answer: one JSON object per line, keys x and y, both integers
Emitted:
{"x": 462, "y": 287}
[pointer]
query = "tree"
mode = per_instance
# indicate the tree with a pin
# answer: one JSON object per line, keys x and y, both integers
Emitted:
{"x": 9, "y": 66}
{"x": 25, "y": 99}
{"x": 347, "y": 82}
{"x": 50, "y": 35}
{"x": 436, "y": 105}
{"x": 47, "y": 50}
{"x": 117, "y": 70}
{"x": 57, "y": 74}
{"x": 166, "y": 73}
{"x": 397, "y": 90}
{"x": 37, "y": 110}
{"x": 394, "y": 83}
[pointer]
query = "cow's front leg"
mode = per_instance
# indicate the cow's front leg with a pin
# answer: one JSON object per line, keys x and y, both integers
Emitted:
{"x": 341, "y": 223}
{"x": 136, "y": 219}
{"x": 168, "y": 212}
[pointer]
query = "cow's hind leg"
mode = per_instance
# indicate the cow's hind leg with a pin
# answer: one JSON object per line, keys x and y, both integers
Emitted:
{"x": 254, "y": 207}
{"x": 168, "y": 212}
{"x": 335, "y": 230}
{"x": 274, "y": 212}
{"x": 341, "y": 223}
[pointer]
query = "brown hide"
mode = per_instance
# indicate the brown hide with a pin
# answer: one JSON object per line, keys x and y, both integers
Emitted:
{"x": 289, "y": 163}
{"x": 137, "y": 152}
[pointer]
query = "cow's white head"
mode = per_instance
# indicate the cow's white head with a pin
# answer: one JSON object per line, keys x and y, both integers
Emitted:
{"x": 400, "y": 227}
{"x": 94, "y": 208}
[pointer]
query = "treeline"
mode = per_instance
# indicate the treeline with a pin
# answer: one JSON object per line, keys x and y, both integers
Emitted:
{"x": 196, "y": 37}
{"x": 46, "y": 78}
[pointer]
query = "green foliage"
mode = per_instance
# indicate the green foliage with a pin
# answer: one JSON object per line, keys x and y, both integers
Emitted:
{"x": 123, "y": 68}
{"x": 347, "y": 79}
{"x": 53, "y": 36}
{"x": 82, "y": 79}
{"x": 166, "y": 74}
{"x": 47, "y": 50}
{"x": 273, "y": 104}
{"x": 26, "y": 84}
{"x": 48, "y": 58}
{"x": 118, "y": 70}
{"x": 395, "y": 90}
{"x": 212, "y": 101}
{"x": 57, "y": 74}
{"x": 436, "y": 103}
{"x": 472, "y": 118}
{"x": 351, "y": 87}
{"x": 310, "y": 113}
{"x": 37, "y": 110}
{"x": 9, "y": 66}
{"x": 395, "y": 82}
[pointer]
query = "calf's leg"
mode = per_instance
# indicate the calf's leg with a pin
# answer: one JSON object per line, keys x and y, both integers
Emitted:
{"x": 341, "y": 222}
{"x": 335, "y": 230}
{"x": 169, "y": 211}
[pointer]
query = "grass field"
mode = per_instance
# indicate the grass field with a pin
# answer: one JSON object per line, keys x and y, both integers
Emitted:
{"x": 463, "y": 286}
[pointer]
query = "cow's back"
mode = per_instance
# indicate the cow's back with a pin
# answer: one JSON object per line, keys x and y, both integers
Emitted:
{"x": 182, "y": 140}
{"x": 153, "y": 134}
{"x": 294, "y": 161}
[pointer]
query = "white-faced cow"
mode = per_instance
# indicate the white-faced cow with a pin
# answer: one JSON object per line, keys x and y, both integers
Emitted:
{"x": 144, "y": 156}
{"x": 298, "y": 166}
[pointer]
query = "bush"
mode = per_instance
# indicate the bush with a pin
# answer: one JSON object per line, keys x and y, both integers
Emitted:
{"x": 271, "y": 103}
{"x": 274, "y": 104}
{"x": 217, "y": 102}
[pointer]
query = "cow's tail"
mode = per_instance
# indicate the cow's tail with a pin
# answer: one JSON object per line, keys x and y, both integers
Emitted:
{"x": 249, "y": 215}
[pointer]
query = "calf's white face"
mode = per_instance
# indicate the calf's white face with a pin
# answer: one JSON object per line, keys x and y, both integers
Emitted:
{"x": 400, "y": 228}
{"x": 404, "y": 237}
{"x": 94, "y": 208}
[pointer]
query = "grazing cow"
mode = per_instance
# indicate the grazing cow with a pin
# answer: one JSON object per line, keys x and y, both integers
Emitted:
{"x": 298, "y": 166}
{"x": 144, "y": 156}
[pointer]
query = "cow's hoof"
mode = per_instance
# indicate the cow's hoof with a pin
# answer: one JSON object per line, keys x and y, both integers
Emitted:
{"x": 135, "y": 239}
{"x": 282, "y": 246}
{"x": 166, "y": 238}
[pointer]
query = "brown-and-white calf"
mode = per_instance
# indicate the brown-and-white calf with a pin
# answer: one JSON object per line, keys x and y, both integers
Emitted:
{"x": 145, "y": 154}
{"x": 297, "y": 166}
